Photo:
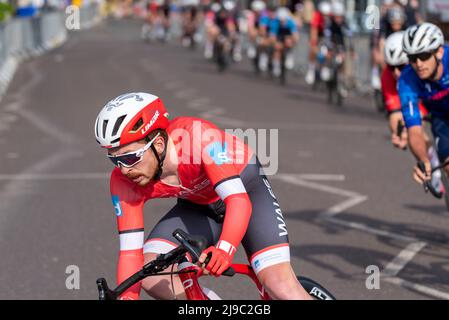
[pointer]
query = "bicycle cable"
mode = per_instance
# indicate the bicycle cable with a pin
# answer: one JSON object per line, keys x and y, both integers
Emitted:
{"x": 441, "y": 166}
{"x": 172, "y": 284}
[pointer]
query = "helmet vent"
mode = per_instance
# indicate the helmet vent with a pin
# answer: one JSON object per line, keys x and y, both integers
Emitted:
{"x": 118, "y": 124}
{"x": 96, "y": 129}
{"x": 105, "y": 125}
{"x": 137, "y": 126}
{"x": 422, "y": 38}
{"x": 115, "y": 140}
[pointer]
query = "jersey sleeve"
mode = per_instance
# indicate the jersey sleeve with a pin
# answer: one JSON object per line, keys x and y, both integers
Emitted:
{"x": 292, "y": 26}
{"x": 390, "y": 92}
{"x": 316, "y": 20}
{"x": 221, "y": 160}
{"x": 409, "y": 100}
{"x": 128, "y": 203}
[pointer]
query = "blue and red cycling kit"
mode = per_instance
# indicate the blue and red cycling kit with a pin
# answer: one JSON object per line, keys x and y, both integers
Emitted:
{"x": 275, "y": 27}
{"x": 435, "y": 97}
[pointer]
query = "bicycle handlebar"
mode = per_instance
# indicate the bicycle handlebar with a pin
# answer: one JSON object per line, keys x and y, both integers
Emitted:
{"x": 427, "y": 184}
{"x": 399, "y": 129}
{"x": 188, "y": 244}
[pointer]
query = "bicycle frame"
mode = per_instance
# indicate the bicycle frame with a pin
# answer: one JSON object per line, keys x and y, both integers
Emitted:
{"x": 193, "y": 289}
{"x": 188, "y": 272}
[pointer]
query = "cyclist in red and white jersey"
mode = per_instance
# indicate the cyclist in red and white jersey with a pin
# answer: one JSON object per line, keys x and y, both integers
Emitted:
{"x": 320, "y": 18}
{"x": 395, "y": 59}
{"x": 221, "y": 189}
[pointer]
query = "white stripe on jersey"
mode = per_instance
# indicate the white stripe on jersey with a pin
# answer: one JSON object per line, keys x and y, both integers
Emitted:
{"x": 131, "y": 241}
{"x": 270, "y": 257}
{"x": 230, "y": 187}
{"x": 410, "y": 105}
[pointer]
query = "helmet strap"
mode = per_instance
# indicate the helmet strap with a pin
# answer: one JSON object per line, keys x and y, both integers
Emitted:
{"x": 434, "y": 73}
{"x": 160, "y": 161}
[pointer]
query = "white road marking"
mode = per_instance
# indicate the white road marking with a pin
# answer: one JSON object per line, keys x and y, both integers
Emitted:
{"x": 47, "y": 127}
{"x": 364, "y": 228}
{"x": 418, "y": 288}
{"x": 405, "y": 256}
{"x": 296, "y": 180}
{"x": 394, "y": 266}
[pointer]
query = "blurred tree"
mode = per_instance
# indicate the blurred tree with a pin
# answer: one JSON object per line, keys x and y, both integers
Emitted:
{"x": 6, "y": 10}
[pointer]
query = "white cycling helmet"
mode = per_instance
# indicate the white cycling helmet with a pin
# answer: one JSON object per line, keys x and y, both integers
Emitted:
{"x": 393, "y": 52}
{"x": 228, "y": 5}
{"x": 129, "y": 117}
{"x": 425, "y": 37}
{"x": 283, "y": 13}
{"x": 396, "y": 14}
{"x": 325, "y": 8}
{"x": 338, "y": 9}
{"x": 215, "y": 7}
{"x": 258, "y": 5}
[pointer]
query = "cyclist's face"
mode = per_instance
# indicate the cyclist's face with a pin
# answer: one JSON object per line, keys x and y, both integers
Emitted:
{"x": 425, "y": 68}
{"x": 339, "y": 19}
{"x": 142, "y": 172}
{"x": 396, "y": 25}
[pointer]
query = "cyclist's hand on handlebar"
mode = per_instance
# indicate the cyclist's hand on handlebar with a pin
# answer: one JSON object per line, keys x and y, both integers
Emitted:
{"x": 219, "y": 261}
{"x": 398, "y": 137}
{"x": 399, "y": 142}
{"x": 420, "y": 176}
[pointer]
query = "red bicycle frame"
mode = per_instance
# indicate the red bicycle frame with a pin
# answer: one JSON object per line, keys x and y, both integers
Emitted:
{"x": 193, "y": 289}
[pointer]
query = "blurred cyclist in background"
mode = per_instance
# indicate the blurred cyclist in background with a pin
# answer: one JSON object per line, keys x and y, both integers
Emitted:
{"x": 265, "y": 24}
{"x": 157, "y": 22}
{"x": 190, "y": 22}
{"x": 253, "y": 18}
{"x": 319, "y": 21}
{"x": 284, "y": 35}
{"x": 221, "y": 20}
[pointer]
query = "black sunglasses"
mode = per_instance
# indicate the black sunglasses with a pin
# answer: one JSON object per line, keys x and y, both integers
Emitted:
{"x": 423, "y": 56}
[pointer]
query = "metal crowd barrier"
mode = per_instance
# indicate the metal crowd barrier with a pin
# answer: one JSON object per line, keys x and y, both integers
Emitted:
{"x": 21, "y": 38}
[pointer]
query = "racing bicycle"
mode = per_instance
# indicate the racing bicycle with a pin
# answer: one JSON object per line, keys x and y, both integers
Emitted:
{"x": 188, "y": 273}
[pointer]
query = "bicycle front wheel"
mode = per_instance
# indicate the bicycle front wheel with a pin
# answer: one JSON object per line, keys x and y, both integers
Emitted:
{"x": 445, "y": 181}
{"x": 316, "y": 290}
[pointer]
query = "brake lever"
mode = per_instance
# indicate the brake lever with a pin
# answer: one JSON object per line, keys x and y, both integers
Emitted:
{"x": 184, "y": 239}
{"x": 422, "y": 167}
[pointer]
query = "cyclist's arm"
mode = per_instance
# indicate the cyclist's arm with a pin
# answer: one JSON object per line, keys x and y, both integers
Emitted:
{"x": 412, "y": 116}
{"x": 390, "y": 92}
{"x": 294, "y": 30}
{"x": 227, "y": 183}
{"x": 128, "y": 205}
{"x": 315, "y": 25}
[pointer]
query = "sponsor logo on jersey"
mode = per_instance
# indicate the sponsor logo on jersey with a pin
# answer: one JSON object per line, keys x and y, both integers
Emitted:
{"x": 256, "y": 264}
{"x": 117, "y": 206}
{"x": 218, "y": 152}
{"x": 440, "y": 95}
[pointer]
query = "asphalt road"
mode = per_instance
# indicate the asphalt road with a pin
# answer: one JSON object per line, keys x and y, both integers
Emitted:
{"x": 347, "y": 196}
